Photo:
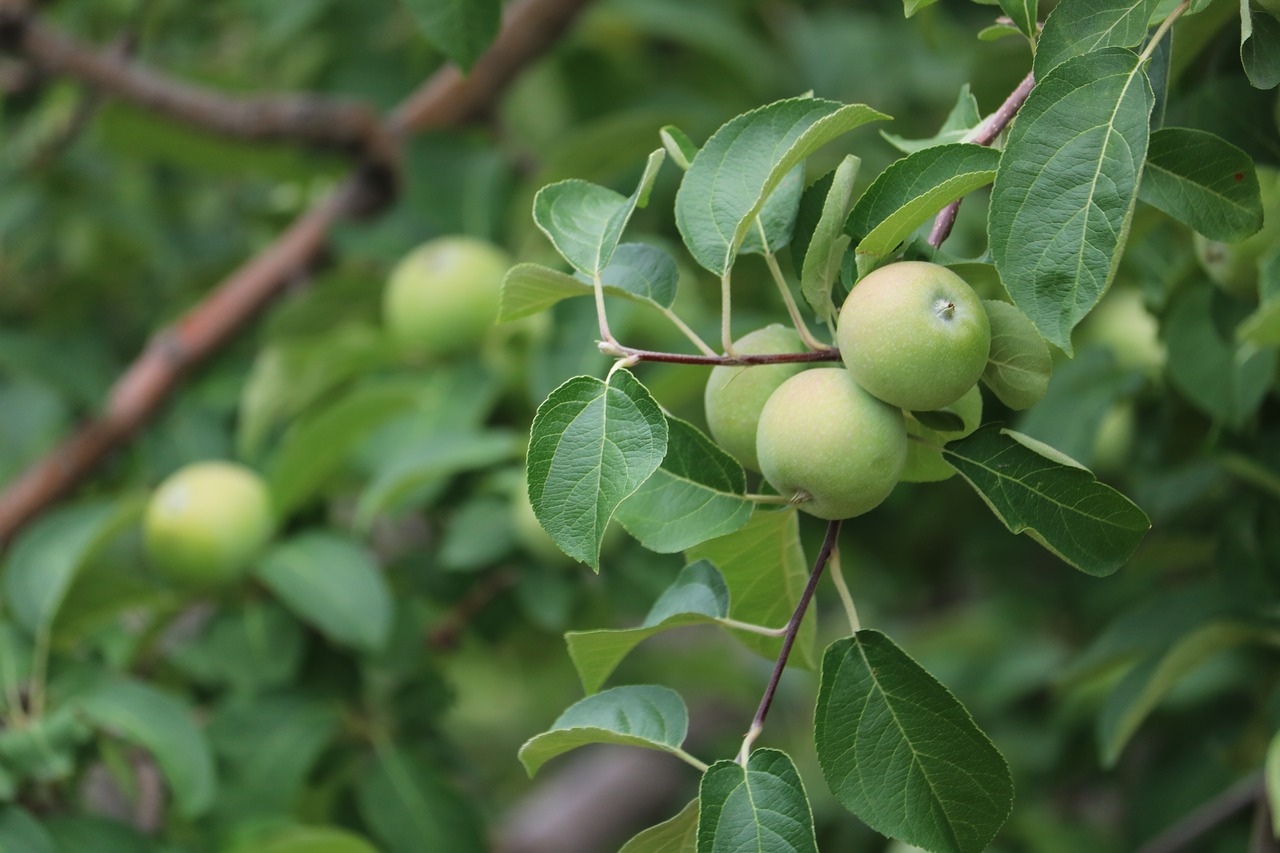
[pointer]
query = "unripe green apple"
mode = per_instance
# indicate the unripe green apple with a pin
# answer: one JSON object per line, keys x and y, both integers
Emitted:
{"x": 924, "y": 458}
{"x": 207, "y": 521}
{"x": 826, "y": 442}
{"x": 1234, "y": 266}
{"x": 915, "y": 335}
{"x": 443, "y": 296}
{"x": 1122, "y": 324}
{"x": 735, "y": 396}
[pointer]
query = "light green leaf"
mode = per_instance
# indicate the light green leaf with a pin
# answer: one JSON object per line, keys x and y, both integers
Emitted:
{"x": 637, "y": 273}
{"x": 1221, "y": 377}
{"x": 696, "y": 495}
{"x": 304, "y": 839}
{"x": 411, "y": 807}
{"x": 636, "y": 715}
{"x": 910, "y": 7}
{"x": 593, "y": 444}
{"x": 1059, "y": 504}
{"x": 912, "y": 190}
{"x": 1271, "y": 770}
{"x": 1066, "y": 187}
{"x": 1023, "y": 15}
{"x": 436, "y": 459}
{"x": 1020, "y": 365}
{"x": 1201, "y": 179}
{"x": 900, "y": 752}
{"x": 165, "y": 726}
{"x": 333, "y": 584}
{"x": 733, "y": 175}
{"x": 45, "y": 559}
{"x": 77, "y": 834}
{"x": 585, "y": 221}
{"x": 676, "y": 835}
{"x": 15, "y": 661}
{"x": 1081, "y": 26}
{"x": 759, "y": 808}
{"x": 45, "y": 749}
{"x": 828, "y": 243}
{"x": 960, "y": 122}
{"x": 460, "y": 29}
{"x": 776, "y": 220}
{"x": 1262, "y": 327}
{"x": 680, "y": 148}
{"x": 1141, "y": 690}
{"x": 317, "y": 447}
{"x": 698, "y": 596}
{"x": 22, "y": 833}
{"x": 764, "y": 566}
{"x": 1260, "y": 46}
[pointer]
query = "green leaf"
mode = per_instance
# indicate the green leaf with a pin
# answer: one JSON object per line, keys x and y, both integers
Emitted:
{"x": 776, "y": 221}
{"x": 733, "y": 175}
{"x": 1271, "y": 770}
{"x": 1066, "y": 187}
{"x": 696, "y": 494}
{"x": 44, "y": 749}
{"x": 15, "y": 661}
{"x": 698, "y": 596}
{"x": 960, "y": 122}
{"x": 637, "y": 273}
{"x": 585, "y": 221}
{"x": 1141, "y": 690}
{"x": 1259, "y": 46}
{"x": 333, "y": 584}
{"x": 1262, "y": 327}
{"x": 1020, "y": 365}
{"x": 165, "y": 726}
{"x": 828, "y": 243}
{"x": 593, "y": 444}
{"x": 764, "y": 566}
{"x": 317, "y": 447}
{"x": 636, "y": 715}
{"x": 1203, "y": 180}
{"x": 77, "y": 834}
{"x": 1023, "y": 15}
{"x": 900, "y": 752}
{"x": 912, "y": 190}
{"x": 22, "y": 833}
{"x": 434, "y": 460}
{"x": 680, "y": 148}
{"x": 1221, "y": 377}
{"x": 1032, "y": 488}
{"x": 759, "y": 808}
{"x": 46, "y": 557}
{"x": 411, "y": 807}
{"x": 676, "y": 835}
{"x": 304, "y": 839}
{"x": 910, "y": 7}
{"x": 460, "y": 29}
{"x": 1081, "y": 26}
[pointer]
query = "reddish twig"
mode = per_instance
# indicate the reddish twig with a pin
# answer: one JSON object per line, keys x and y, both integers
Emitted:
{"x": 998, "y": 121}
{"x": 530, "y": 29}
{"x": 444, "y": 637}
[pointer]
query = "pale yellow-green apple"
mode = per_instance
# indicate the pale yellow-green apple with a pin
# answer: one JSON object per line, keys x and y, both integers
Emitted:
{"x": 206, "y": 521}
{"x": 1122, "y": 323}
{"x": 924, "y": 455}
{"x": 1234, "y": 266}
{"x": 829, "y": 445}
{"x": 443, "y": 296}
{"x": 735, "y": 396}
{"x": 914, "y": 334}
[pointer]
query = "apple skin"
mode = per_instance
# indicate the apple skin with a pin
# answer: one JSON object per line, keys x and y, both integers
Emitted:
{"x": 735, "y": 396}
{"x": 915, "y": 335}
{"x": 924, "y": 463}
{"x": 206, "y": 522}
{"x": 443, "y": 296}
{"x": 1234, "y": 266}
{"x": 822, "y": 434}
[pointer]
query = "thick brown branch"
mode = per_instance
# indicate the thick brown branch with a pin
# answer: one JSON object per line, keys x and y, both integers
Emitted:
{"x": 444, "y": 99}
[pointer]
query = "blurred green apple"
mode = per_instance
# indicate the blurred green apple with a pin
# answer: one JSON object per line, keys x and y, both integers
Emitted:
{"x": 1234, "y": 266}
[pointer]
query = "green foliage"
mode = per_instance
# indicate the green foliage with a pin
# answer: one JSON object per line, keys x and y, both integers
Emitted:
{"x": 758, "y": 805}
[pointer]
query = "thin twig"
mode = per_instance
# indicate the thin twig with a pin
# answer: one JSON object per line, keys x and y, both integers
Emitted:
{"x": 444, "y": 637}
{"x": 988, "y": 133}
{"x": 788, "y": 640}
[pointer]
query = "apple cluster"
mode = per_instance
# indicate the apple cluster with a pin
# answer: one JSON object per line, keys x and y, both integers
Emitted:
{"x": 914, "y": 337}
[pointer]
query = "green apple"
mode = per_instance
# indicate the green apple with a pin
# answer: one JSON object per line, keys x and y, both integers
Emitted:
{"x": 915, "y": 335}
{"x": 1122, "y": 324}
{"x": 207, "y": 521}
{"x": 443, "y": 296}
{"x": 735, "y": 396}
{"x": 924, "y": 458}
{"x": 831, "y": 446}
{"x": 1234, "y": 266}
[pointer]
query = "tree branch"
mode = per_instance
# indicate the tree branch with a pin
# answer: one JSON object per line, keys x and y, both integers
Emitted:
{"x": 530, "y": 29}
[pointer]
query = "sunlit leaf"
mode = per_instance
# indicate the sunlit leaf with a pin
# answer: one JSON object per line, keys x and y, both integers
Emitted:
{"x": 759, "y": 808}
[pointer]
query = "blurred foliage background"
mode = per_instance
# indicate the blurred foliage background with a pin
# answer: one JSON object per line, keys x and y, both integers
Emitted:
{"x": 114, "y": 221}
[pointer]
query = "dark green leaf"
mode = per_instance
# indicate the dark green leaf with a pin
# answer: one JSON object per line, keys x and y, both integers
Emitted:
{"x": 1066, "y": 187}
{"x": 759, "y": 808}
{"x": 83, "y": 834}
{"x": 1023, "y": 15}
{"x": 1260, "y": 46}
{"x": 960, "y": 122}
{"x": 22, "y": 833}
{"x": 460, "y": 29}
{"x": 1203, "y": 180}
{"x": 1019, "y": 365}
{"x": 1081, "y": 26}
{"x": 1032, "y": 488}
{"x": 593, "y": 444}
{"x": 411, "y": 808}
{"x": 900, "y": 752}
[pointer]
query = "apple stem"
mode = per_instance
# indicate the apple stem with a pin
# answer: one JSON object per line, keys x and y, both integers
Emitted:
{"x": 688, "y": 332}
{"x": 598, "y": 287}
{"x": 789, "y": 639}
{"x": 842, "y": 589}
{"x": 737, "y": 359}
{"x": 726, "y": 332}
